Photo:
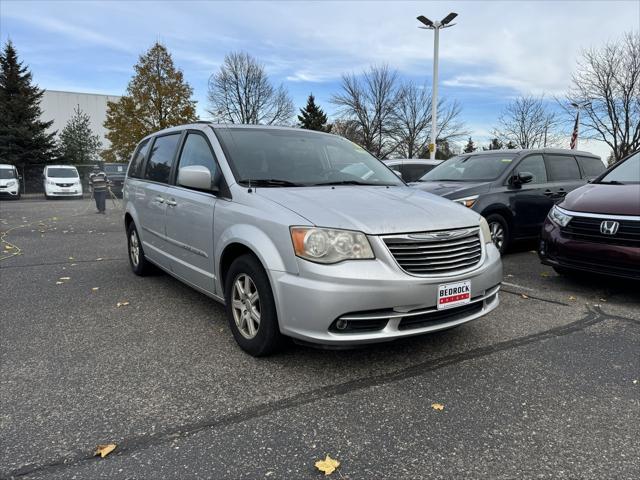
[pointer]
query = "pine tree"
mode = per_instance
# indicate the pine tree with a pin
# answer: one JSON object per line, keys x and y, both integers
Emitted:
{"x": 443, "y": 150}
{"x": 312, "y": 117}
{"x": 23, "y": 136}
{"x": 495, "y": 144}
{"x": 157, "y": 97}
{"x": 511, "y": 145}
{"x": 470, "y": 147}
{"x": 78, "y": 144}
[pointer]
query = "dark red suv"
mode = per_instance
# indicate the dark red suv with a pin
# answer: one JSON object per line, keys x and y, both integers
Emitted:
{"x": 597, "y": 227}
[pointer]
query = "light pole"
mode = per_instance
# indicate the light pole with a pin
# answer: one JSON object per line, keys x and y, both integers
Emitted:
{"x": 435, "y": 26}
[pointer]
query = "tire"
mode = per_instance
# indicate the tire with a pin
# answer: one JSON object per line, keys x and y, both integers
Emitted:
{"x": 139, "y": 264}
{"x": 254, "y": 323}
{"x": 500, "y": 233}
{"x": 567, "y": 272}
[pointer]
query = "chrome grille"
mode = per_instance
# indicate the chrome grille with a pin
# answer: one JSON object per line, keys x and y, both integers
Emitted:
{"x": 435, "y": 253}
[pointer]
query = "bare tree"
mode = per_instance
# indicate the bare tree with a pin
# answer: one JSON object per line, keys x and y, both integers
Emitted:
{"x": 412, "y": 129}
{"x": 527, "y": 123}
{"x": 369, "y": 101}
{"x": 607, "y": 83}
{"x": 241, "y": 92}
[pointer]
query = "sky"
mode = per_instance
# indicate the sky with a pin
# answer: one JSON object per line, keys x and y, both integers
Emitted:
{"x": 496, "y": 51}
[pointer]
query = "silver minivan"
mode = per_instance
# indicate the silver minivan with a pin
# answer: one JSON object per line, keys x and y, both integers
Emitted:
{"x": 274, "y": 223}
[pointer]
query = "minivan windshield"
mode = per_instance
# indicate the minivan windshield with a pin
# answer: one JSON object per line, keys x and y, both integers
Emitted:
{"x": 6, "y": 173}
{"x": 627, "y": 172}
{"x": 473, "y": 168}
{"x": 62, "y": 172}
{"x": 296, "y": 158}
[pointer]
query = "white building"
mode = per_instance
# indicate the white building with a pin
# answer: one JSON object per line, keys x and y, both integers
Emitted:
{"x": 59, "y": 107}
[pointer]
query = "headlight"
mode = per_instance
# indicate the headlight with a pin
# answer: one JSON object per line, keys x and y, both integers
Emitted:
{"x": 467, "y": 201}
{"x": 51, "y": 182}
{"x": 484, "y": 228}
{"x": 11, "y": 183}
{"x": 559, "y": 217}
{"x": 326, "y": 245}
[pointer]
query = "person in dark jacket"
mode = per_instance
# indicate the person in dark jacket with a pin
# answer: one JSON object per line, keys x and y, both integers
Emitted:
{"x": 99, "y": 185}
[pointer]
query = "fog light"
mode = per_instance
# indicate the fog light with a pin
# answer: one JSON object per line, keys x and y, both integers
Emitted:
{"x": 341, "y": 324}
{"x": 542, "y": 247}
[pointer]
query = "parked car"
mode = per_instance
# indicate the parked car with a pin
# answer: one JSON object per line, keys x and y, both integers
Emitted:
{"x": 597, "y": 227}
{"x": 269, "y": 221}
{"x": 61, "y": 181}
{"x": 411, "y": 169}
{"x": 513, "y": 189}
{"x": 9, "y": 181}
{"x": 116, "y": 173}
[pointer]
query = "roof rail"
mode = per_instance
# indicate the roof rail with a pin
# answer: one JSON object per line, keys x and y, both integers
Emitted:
{"x": 203, "y": 121}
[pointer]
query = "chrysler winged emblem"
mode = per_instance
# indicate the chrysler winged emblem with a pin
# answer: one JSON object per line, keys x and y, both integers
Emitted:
{"x": 609, "y": 227}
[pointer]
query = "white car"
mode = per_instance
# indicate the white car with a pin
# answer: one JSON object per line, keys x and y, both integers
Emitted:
{"x": 61, "y": 181}
{"x": 9, "y": 181}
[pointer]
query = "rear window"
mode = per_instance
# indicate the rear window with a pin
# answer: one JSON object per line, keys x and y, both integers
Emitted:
{"x": 115, "y": 169}
{"x": 61, "y": 172}
{"x": 137, "y": 159}
{"x": 161, "y": 158}
{"x": 562, "y": 167}
{"x": 591, "y": 167}
{"x": 471, "y": 169}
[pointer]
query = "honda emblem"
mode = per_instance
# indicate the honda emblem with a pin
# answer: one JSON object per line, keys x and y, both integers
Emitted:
{"x": 609, "y": 227}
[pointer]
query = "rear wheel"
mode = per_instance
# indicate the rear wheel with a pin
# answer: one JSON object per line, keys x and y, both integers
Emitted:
{"x": 251, "y": 308}
{"x": 139, "y": 264}
{"x": 499, "y": 229}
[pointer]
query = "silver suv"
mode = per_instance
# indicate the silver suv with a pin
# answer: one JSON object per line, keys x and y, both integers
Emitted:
{"x": 274, "y": 223}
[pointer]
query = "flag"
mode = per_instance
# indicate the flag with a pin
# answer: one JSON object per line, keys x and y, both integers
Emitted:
{"x": 574, "y": 135}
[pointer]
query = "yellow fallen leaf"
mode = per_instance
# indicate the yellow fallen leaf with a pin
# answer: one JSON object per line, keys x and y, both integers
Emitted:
{"x": 122, "y": 304}
{"x": 95, "y": 289}
{"x": 99, "y": 259}
{"x": 104, "y": 450}
{"x": 437, "y": 406}
{"x": 524, "y": 296}
{"x": 71, "y": 258}
{"x": 59, "y": 283}
{"x": 544, "y": 274}
{"x": 65, "y": 278}
{"x": 571, "y": 297}
{"x": 328, "y": 465}
{"x": 74, "y": 264}
{"x": 8, "y": 247}
{"x": 635, "y": 381}
{"x": 603, "y": 299}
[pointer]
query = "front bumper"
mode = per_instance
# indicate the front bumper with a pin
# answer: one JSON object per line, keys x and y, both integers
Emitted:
{"x": 378, "y": 294}
{"x": 75, "y": 191}
{"x": 9, "y": 192}
{"x": 559, "y": 250}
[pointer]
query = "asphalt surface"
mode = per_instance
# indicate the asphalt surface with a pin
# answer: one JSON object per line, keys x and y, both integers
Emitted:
{"x": 547, "y": 386}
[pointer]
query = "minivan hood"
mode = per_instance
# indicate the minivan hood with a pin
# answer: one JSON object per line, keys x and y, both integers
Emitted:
{"x": 453, "y": 190}
{"x": 607, "y": 199}
{"x": 372, "y": 210}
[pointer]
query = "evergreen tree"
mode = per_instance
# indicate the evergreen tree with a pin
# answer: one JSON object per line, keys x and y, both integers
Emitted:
{"x": 443, "y": 150}
{"x": 312, "y": 117}
{"x": 23, "y": 136}
{"x": 470, "y": 147}
{"x": 157, "y": 97}
{"x": 511, "y": 145}
{"x": 495, "y": 144}
{"x": 78, "y": 144}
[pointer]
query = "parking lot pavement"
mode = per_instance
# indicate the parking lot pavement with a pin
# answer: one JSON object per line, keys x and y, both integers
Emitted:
{"x": 546, "y": 386}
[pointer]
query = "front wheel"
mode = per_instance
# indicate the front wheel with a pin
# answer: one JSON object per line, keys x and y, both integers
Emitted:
{"x": 251, "y": 308}
{"x": 499, "y": 229}
{"x": 139, "y": 264}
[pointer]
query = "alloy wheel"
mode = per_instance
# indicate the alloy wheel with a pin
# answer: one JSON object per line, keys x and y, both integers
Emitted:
{"x": 134, "y": 248}
{"x": 245, "y": 303}
{"x": 497, "y": 234}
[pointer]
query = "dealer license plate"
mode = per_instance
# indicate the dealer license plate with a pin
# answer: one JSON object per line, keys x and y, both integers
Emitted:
{"x": 454, "y": 294}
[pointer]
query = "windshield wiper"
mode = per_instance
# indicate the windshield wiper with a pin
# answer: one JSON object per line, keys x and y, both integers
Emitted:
{"x": 268, "y": 182}
{"x": 353, "y": 182}
{"x": 611, "y": 182}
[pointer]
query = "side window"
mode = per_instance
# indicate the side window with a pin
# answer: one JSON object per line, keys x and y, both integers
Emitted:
{"x": 562, "y": 167}
{"x": 534, "y": 164}
{"x": 161, "y": 158}
{"x": 138, "y": 159}
{"x": 414, "y": 171}
{"x": 591, "y": 167}
{"x": 196, "y": 151}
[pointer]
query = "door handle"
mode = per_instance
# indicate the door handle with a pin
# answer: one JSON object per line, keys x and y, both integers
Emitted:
{"x": 171, "y": 203}
{"x": 548, "y": 193}
{"x": 159, "y": 199}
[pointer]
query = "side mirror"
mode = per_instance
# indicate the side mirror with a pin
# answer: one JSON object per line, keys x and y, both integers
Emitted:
{"x": 522, "y": 177}
{"x": 195, "y": 176}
